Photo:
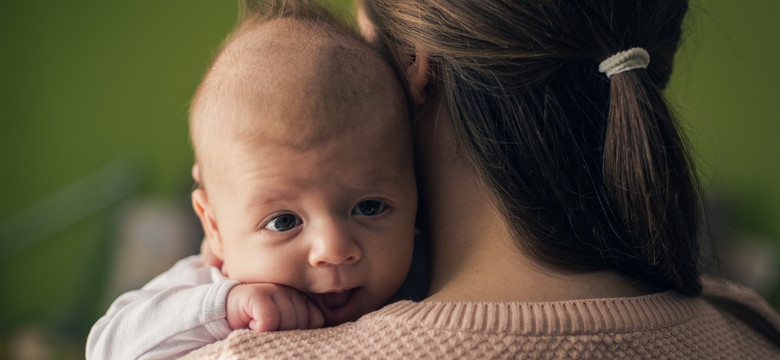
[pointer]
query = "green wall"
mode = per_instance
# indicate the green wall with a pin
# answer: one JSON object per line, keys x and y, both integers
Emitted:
{"x": 88, "y": 83}
{"x": 84, "y": 84}
{"x": 726, "y": 87}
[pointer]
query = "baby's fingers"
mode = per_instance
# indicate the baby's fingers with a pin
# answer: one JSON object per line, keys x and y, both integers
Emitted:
{"x": 316, "y": 319}
{"x": 266, "y": 316}
{"x": 299, "y": 302}
{"x": 287, "y": 310}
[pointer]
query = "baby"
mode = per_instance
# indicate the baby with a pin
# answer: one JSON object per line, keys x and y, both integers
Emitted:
{"x": 307, "y": 193}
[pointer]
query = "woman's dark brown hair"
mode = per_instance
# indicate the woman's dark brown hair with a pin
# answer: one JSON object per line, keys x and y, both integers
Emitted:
{"x": 592, "y": 173}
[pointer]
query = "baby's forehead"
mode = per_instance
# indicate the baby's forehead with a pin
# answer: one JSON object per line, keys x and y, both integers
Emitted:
{"x": 297, "y": 83}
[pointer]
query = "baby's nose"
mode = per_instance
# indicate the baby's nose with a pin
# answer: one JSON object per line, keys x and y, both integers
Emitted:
{"x": 333, "y": 244}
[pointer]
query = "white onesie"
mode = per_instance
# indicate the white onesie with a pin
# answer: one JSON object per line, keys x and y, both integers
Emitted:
{"x": 177, "y": 312}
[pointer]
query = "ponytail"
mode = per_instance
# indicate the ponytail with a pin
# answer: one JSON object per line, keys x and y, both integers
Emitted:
{"x": 652, "y": 183}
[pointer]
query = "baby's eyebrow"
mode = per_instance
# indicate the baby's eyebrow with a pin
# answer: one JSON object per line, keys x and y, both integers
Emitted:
{"x": 270, "y": 197}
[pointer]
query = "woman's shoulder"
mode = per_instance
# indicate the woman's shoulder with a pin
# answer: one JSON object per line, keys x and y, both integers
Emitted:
{"x": 744, "y": 305}
{"x": 674, "y": 324}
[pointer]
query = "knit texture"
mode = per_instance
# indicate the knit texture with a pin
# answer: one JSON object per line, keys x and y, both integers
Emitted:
{"x": 726, "y": 322}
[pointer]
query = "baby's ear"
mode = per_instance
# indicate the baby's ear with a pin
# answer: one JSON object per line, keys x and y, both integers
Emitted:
{"x": 200, "y": 203}
{"x": 196, "y": 173}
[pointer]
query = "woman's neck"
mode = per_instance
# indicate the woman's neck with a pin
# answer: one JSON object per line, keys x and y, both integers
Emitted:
{"x": 474, "y": 257}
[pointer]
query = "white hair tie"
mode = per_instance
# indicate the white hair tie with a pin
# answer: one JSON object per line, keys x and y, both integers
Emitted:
{"x": 635, "y": 58}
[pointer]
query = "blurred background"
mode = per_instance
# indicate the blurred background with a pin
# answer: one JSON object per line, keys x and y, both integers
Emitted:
{"x": 94, "y": 198}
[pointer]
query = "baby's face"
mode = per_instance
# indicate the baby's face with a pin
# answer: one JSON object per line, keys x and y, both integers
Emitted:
{"x": 306, "y": 156}
{"x": 335, "y": 222}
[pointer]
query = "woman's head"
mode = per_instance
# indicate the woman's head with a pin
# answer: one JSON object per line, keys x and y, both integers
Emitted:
{"x": 591, "y": 172}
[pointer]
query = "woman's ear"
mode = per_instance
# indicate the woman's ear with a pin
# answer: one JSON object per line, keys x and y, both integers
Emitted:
{"x": 200, "y": 203}
{"x": 418, "y": 76}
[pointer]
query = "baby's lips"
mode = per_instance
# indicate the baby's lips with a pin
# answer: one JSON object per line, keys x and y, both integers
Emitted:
{"x": 336, "y": 306}
{"x": 336, "y": 299}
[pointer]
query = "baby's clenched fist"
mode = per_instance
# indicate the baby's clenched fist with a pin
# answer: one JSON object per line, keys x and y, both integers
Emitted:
{"x": 270, "y": 307}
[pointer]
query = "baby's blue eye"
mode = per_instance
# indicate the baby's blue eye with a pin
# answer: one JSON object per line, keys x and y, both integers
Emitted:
{"x": 369, "y": 208}
{"x": 283, "y": 222}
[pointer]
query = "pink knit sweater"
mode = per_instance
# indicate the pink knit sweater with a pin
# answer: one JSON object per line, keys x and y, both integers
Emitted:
{"x": 726, "y": 322}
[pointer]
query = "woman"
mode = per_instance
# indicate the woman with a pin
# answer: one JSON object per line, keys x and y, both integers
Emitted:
{"x": 556, "y": 191}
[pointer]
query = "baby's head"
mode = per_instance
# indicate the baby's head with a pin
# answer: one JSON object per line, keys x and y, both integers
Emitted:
{"x": 303, "y": 144}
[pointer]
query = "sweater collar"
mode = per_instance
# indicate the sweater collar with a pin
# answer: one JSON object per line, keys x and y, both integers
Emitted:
{"x": 546, "y": 318}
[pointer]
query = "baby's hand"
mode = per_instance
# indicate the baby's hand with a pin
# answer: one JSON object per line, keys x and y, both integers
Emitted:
{"x": 270, "y": 307}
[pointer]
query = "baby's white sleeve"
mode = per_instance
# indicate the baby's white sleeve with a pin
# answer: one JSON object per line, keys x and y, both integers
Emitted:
{"x": 175, "y": 313}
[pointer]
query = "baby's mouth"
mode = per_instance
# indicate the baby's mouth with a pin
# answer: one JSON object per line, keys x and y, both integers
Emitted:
{"x": 337, "y": 306}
